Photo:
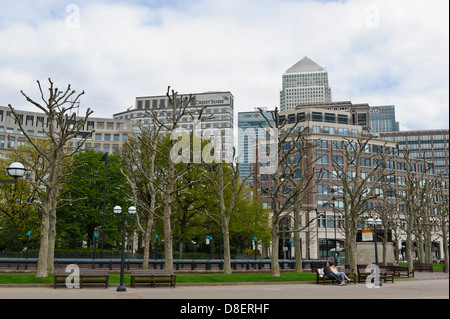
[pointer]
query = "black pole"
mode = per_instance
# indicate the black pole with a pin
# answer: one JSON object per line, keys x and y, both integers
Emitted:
{"x": 335, "y": 238}
{"x": 122, "y": 263}
{"x": 378, "y": 282}
{"x": 104, "y": 159}
{"x": 210, "y": 249}
{"x": 26, "y": 254}
{"x": 95, "y": 250}
{"x": 156, "y": 248}
{"x": 326, "y": 232}
{"x": 317, "y": 234}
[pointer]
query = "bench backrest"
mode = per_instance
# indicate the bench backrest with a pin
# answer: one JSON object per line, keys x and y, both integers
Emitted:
{"x": 92, "y": 272}
{"x": 159, "y": 272}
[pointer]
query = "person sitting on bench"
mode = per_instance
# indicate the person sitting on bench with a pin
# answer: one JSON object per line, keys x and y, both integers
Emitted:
{"x": 327, "y": 271}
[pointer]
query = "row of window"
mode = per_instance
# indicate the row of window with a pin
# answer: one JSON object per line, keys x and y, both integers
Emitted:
{"x": 417, "y": 138}
{"x": 42, "y": 121}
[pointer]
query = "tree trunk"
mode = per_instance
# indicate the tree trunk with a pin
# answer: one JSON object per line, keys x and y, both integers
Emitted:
{"x": 444, "y": 243}
{"x": 351, "y": 255}
{"x": 226, "y": 248}
{"x": 42, "y": 270}
{"x": 385, "y": 247}
{"x": 52, "y": 240}
{"x": 419, "y": 245}
{"x": 147, "y": 240}
{"x": 297, "y": 244}
{"x": 168, "y": 253}
{"x": 275, "y": 243}
{"x": 409, "y": 251}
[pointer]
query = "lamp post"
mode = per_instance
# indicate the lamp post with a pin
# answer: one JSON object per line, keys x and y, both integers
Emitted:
{"x": 255, "y": 243}
{"x": 209, "y": 242}
{"x": 104, "y": 159}
{"x": 317, "y": 234}
{"x": 15, "y": 170}
{"x": 156, "y": 246}
{"x": 95, "y": 249}
{"x": 26, "y": 254}
{"x": 131, "y": 212}
{"x": 375, "y": 223}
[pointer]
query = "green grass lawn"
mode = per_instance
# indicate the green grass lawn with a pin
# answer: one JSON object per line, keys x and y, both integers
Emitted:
{"x": 436, "y": 267}
{"x": 30, "y": 278}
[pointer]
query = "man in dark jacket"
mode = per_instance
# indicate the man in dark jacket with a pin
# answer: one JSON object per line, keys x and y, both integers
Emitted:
{"x": 327, "y": 271}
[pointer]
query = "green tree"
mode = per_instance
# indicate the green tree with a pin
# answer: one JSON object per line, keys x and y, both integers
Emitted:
{"x": 78, "y": 221}
{"x": 18, "y": 211}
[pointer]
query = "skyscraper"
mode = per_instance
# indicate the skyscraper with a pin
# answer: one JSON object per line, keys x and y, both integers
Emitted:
{"x": 249, "y": 124}
{"x": 382, "y": 119}
{"x": 305, "y": 82}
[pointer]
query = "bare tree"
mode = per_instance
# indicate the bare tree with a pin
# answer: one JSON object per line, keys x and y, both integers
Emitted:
{"x": 410, "y": 195}
{"x": 62, "y": 125}
{"x": 302, "y": 178}
{"x": 225, "y": 177}
{"x": 359, "y": 183}
{"x": 175, "y": 153}
{"x": 441, "y": 217}
{"x": 279, "y": 177}
{"x": 140, "y": 161}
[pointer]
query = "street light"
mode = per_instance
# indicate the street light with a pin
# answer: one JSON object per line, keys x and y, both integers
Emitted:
{"x": 131, "y": 211}
{"x": 104, "y": 159}
{"x": 375, "y": 223}
{"x": 15, "y": 170}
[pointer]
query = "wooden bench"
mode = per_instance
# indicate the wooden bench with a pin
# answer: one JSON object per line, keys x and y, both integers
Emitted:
{"x": 95, "y": 276}
{"x": 324, "y": 278}
{"x": 152, "y": 277}
{"x": 386, "y": 273}
{"x": 423, "y": 267}
{"x": 60, "y": 277}
{"x": 402, "y": 271}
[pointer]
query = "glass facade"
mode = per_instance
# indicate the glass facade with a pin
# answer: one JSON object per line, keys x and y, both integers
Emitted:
{"x": 382, "y": 119}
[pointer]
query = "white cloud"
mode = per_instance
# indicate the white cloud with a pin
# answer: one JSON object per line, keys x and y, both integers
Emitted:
{"x": 380, "y": 52}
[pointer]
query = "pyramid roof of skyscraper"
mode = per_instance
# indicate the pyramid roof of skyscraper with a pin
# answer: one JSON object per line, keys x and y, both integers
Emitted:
{"x": 305, "y": 65}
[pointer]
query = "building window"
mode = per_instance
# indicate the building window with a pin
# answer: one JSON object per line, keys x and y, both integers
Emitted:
{"x": 330, "y": 118}
{"x": 323, "y": 189}
{"x": 321, "y": 144}
{"x": 337, "y": 159}
{"x": 316, "y": 116}
{"x": 322, "y": 159}
{"x": 329, "y": 130}
{"x": 342, "y": 119}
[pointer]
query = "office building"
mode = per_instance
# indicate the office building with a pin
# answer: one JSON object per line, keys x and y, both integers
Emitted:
{"x": 220, "y": 106}
{"x": 109, "y": 135}
{"x": 249, "y": 131}
{"x": 305, "y": 82}
{"x": 433, "y": 145}
{"x": 382, "y": 119}
{"x": 330, "y": 130}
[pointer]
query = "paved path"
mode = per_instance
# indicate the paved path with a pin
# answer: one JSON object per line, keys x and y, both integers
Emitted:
{"x": 400, "y": 289}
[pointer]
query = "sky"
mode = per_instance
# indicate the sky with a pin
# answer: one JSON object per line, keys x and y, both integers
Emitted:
{"x": 380, "y": 52}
